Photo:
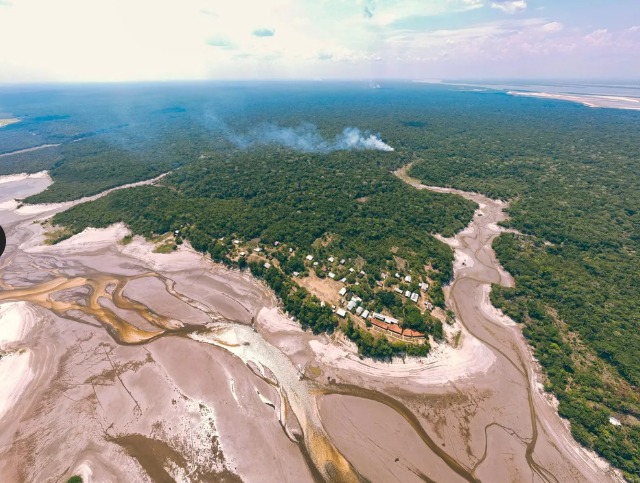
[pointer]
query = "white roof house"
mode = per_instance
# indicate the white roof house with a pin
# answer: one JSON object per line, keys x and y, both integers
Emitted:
{"x": 315, "y": 264}
{"x": 365, "y": 314}
{"x": 359, "y": 310}
{"x": 295, "y": 274}
{"x": 342, "y": 261}
{"x": 424, "y": 286}
{"x": 332, "y": 275}
{"x": 352, "y": 305}
{"x": 341, "y": 312}
{"x": 407, "y": 279}
{"x": 331, "y": 259}
{"x": 342, "y": 291}
{"x": 385, "y": 318}
{"x": 398, "y": 290}
{"x": 257, "y": 249}
{"x": 407, "y": 294}
{"x": 267, "y": 265}
{"x": 343, "y": 280}
{"x": 309, "y": 257}
{"x": 351, "y": 270}
{"x": 414, "y": 297}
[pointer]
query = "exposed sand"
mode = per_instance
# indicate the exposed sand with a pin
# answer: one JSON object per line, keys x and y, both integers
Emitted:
{"x": 28, "y": 150}
{"x": 12, "y": 178}
{"x": 589, "y": 100}
{"x": 212, "y": 399}
{"x": 443, "y": 365}
{"x": 6, "y": 122}
{"x": 16, "y": 321}
{"x": 513, "y": 408}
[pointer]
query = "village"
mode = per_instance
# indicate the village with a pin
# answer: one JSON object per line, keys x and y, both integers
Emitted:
{"x": 394, "y": 304}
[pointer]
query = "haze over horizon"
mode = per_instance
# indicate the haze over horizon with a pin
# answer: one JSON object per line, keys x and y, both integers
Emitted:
{"x": 106, "y": 41}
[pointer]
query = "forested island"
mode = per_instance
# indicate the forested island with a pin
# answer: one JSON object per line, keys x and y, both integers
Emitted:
{"x": 570, "y": 174}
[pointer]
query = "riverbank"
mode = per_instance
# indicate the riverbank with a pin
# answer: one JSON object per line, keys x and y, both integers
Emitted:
{"x": 116, "y": 410}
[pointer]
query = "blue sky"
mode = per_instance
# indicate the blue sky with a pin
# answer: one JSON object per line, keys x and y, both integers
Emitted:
{"x": 119, "y": 40}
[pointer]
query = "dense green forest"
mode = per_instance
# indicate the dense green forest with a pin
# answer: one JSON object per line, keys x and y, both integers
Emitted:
{"x": 344, "y": 204}
{"x": 574, "y": 181}
{"x": 572, "y": 175}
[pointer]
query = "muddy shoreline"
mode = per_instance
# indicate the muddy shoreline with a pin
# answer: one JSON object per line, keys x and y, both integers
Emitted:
{"x": 147, "y": 364}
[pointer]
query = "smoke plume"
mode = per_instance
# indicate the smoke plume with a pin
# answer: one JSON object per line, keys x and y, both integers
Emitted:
{"x": 306, "y": 138}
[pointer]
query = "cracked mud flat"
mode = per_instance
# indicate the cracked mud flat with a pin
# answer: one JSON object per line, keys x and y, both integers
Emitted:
{"x": 145, "y": 367}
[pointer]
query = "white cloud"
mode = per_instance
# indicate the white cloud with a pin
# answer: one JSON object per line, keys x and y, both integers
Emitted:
{"x": 112, "y": 40}
{"x": 552, "y": 27}
{"x": 510, "y": 6}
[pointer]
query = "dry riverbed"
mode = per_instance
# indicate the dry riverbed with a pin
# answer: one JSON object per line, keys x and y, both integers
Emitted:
{"x": 140, "y": 366}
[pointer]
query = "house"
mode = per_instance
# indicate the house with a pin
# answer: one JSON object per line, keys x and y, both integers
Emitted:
{"x": 359, "y": 310}
{"x": 398, "y": 290}
{"x": 295, "y": 274}
{"x": 352, "y": 305}
{"x": 309, "y": 257}
{"x": 414, "y": 297}
{"x": 429, "y": 306}
{"x": 342, "y": 291}
{"x": 424, "y": 286}
{"x": 407, "y": 294}
{"x": 315, "y": 264}
{"x": 276, "y": 243}
{"x": 341, "y": 312}
{"x": 365, "y": 314}
{"x": 242, "y": 254}
{"x": 407, "y": 279}
{"x": 267, "y": 265}
{"x": 362, "y": 272}
{"x": 342, "y": 261}
{"x": 236, "y": 242}
{"x": 412, "y": 333}
{"x": 384, "y": 318}
{"x": 332, "y": 275}
{"x": 397, "y": 275}
{"x": 383, "y": 276}
{"x": 331, "y": 259}
{"x": 257, "y": 249}
{"x": 343, "y": 280}
{"x": 351, "y": 270}
{"x": 290, "y": 250}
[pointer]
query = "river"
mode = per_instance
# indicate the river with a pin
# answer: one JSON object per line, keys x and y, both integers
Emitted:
{"x": 145, "y": 365}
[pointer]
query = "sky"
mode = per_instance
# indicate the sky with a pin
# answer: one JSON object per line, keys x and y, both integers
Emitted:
{"x": 143, "y": 40}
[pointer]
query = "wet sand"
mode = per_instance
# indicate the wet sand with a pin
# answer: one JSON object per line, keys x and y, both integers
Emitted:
{"x": 159, "y": 367}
